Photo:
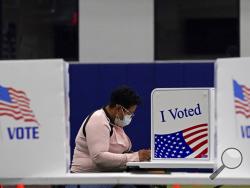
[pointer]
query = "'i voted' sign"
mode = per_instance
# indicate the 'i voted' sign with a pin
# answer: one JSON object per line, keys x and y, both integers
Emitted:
{"x": 180, "y": 123}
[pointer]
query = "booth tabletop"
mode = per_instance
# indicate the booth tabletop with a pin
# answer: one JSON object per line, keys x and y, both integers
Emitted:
{"x": 129, "y": 178}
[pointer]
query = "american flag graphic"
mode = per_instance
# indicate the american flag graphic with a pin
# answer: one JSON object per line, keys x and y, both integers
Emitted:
{"x": 15, "y": 104}
{"x": 188, "y": 143}
{"x": 241, "y": 99}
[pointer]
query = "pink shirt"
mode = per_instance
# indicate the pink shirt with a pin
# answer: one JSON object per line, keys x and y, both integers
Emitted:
{"x": 98, "y": 151}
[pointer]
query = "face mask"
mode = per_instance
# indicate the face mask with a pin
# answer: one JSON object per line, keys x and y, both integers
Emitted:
{"x": 123, "y": 123}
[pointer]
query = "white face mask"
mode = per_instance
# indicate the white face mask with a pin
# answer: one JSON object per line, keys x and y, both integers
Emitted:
{"x": 126, "y": 119}
{"x": 123, "y": 123}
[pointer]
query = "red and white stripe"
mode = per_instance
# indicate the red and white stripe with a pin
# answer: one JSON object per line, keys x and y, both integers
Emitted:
{"x": 19, "y": 108}
{"x": 197, "y": 138}
{"x": 243, "y": 107}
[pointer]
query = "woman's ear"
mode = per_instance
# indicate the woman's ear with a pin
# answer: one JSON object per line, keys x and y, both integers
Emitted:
{"x": 119, "y": 111}
{"x": 117, "y": 108}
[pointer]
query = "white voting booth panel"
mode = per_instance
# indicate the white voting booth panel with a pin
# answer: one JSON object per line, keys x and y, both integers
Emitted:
{"x": 182, "y": 126}
{"x": 233, "y": 115}
{"x": 33, "y": 118}
{"x": 182, "y": 129}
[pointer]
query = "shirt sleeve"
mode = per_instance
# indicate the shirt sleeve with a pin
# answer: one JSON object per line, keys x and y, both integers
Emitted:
{"x": 98, "y": 139}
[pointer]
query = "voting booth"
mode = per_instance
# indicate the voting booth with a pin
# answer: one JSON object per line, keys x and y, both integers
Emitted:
{"x": 34, "y": 112}
{"x": 183, "y": 125}
{"x": 33, "y": 140}
{"x": 233, "y": 116}
{"x": 182, "y": 129}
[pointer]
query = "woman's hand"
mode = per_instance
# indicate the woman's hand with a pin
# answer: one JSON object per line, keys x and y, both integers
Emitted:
{"x": 144, "y": 154}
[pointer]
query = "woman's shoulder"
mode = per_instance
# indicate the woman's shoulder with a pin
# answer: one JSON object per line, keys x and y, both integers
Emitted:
{"x": 99, "y": 118}
{"x": 99, "y": 114}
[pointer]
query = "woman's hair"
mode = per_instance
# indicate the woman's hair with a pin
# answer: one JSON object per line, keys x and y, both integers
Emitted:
{"x": 124, "y": 96}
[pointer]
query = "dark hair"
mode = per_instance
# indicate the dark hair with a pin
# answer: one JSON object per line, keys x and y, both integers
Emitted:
{"x": 124, "y": 96}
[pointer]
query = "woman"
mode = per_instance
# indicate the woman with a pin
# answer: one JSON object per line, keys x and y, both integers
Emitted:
{"x": 101, "y": 143}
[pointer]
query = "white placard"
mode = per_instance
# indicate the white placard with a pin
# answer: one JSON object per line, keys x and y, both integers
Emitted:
{"x": 182, "y": 124}
{"x": 233, "y": 112}
{"x": 33, "y": 118}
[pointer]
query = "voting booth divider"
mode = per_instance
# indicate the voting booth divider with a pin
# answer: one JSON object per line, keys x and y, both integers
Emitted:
{"x": 182, "y": 123}
{"x": 34, "y": 118}
{"x": 233, "y": 116}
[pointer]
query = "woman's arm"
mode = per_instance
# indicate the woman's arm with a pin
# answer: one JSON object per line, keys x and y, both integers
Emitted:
{"x": 98, "y": 141}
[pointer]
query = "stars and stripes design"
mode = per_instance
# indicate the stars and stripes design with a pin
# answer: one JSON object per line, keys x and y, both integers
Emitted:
{"x": 188, "y": 143}
{"x": 15, "y": 104}
{"x": 241, "y": 99}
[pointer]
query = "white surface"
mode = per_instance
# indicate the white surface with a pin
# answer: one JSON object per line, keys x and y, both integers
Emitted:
{"x": 116, "y": 31}
{"x": 231, "y": 158}
{"x": 244, "y": 28}
{"x": 228, "y": 122}
{"x": 44, "y": 82}
{"x": 130, "y": 178}
{"x": 167, "y": 100}
{"x": 173, "y": 164}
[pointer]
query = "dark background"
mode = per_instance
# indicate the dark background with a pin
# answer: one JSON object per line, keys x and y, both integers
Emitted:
{"x": 193, "y": 29}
